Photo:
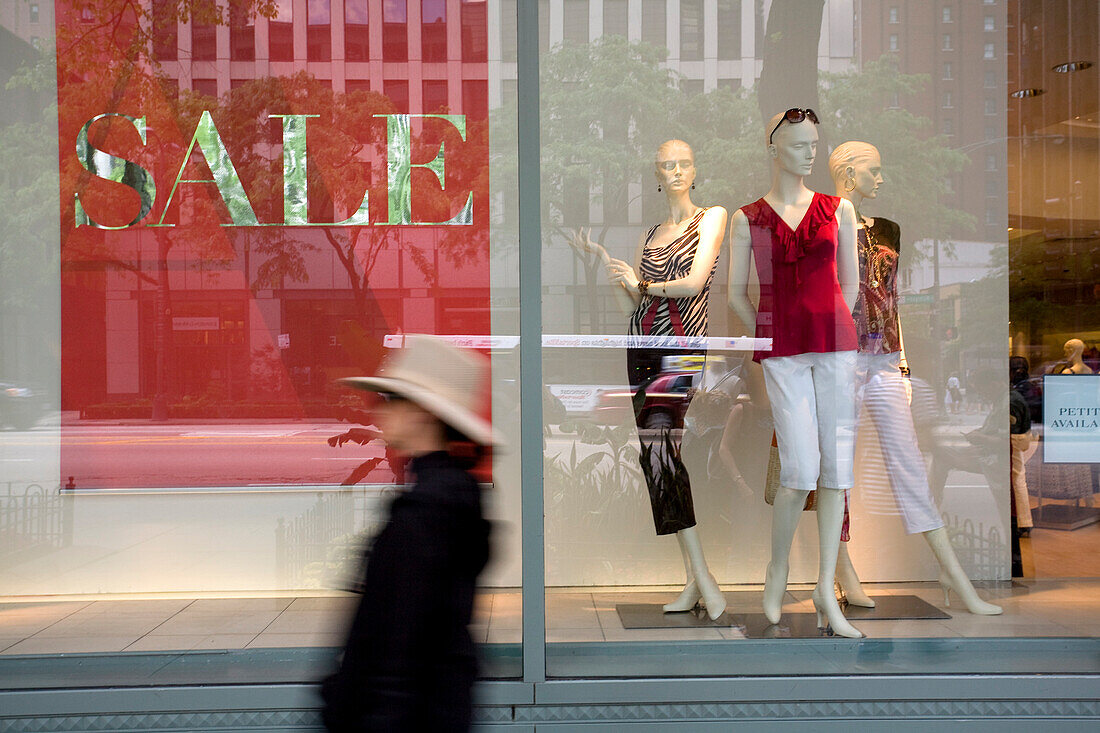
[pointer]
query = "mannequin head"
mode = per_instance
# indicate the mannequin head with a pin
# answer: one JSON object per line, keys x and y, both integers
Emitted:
{"x": 793, "y": 145}
{"x": 856, "y": 169}
{"x": 1073, "y": 349}
{"x": 674, "y": 166}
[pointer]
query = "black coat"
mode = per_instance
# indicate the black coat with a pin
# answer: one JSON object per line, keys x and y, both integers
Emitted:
{"x": 409, "y": 663}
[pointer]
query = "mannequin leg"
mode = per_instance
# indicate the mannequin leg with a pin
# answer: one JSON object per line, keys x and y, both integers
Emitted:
{"x": 690, "y": 595}
{"x": 786, "y": 512}
{"x": 713, "y": 597}
{"x": 849, "y": 580}
{"x": 830, "y": 514}
{"x": 952, "y": 577}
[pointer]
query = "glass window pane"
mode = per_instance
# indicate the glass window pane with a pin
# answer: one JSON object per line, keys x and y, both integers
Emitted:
{"x": 261, "y": 232}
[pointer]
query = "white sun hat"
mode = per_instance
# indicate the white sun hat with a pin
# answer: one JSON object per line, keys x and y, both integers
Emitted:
{"x": 446, "y": 380}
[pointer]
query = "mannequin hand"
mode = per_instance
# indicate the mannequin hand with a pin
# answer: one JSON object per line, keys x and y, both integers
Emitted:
{"x": 621, "y": 272}
{"x": 581, "y": 241}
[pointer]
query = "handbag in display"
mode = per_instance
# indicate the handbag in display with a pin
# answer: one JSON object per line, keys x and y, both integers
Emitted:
{"x": 771, "y": 480}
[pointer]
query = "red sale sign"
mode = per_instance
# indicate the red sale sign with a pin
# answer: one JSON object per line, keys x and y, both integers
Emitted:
{"x": 250, "y": 202}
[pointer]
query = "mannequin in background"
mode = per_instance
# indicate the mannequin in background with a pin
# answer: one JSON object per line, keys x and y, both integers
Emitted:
{"x": 856, "y": 169}
{"x": 803, "y": 244}
{"x": 665, "y": 293}
{"x": 1074, "y": 362}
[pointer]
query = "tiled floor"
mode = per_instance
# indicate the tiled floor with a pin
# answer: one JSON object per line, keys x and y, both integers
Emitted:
{"x": 1050, "y": 608}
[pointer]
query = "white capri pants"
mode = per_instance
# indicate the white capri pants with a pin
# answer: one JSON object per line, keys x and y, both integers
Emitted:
{"x": 885, "y": 403}
{"x": 814, "y": 410}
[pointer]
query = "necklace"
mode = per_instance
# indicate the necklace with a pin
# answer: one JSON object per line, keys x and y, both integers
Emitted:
{"x": 876, "y": 268}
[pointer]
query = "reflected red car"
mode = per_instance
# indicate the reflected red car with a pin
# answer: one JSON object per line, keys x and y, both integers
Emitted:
{"x": 666, "y": 401}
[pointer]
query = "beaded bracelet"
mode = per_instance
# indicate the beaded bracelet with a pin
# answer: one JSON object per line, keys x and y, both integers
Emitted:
{"x": 643, "y": 287}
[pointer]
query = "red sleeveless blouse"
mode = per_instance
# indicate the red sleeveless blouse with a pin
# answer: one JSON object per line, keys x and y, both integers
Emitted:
{"x": 801, "y": 307}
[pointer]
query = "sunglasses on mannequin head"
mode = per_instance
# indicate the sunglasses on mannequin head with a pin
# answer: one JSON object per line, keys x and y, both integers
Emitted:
{"x": 794, "y": 115}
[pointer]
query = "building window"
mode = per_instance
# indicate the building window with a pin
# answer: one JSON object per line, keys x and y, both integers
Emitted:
{"x": 475, "y": 97}
{"x": 615, "y": 17}
{"x": 575, "y": 28}
{"x": 356, "y": 36}
{"x": 948, "y": 71}
{"x": 893, "y": 45}
{"x": 655, "y": 23}
{"x": 280, "y": 32}
{"x": 988, "y": 54}
{"x": 36, "y": 43}
{"x": 318, "y": 30}
{"x": 204, "y": 44}
{"x": 991, "y": 162}
{"x": 947, "y": 15}
{"x": 990, "y": 80}
{"x": 729, "y": 30}
{"x": 395, "y": 39}
{"x": 165, "y": 31}
{"x": 948, "y": 101}
{"x": 691, "y": 30}
{"x": 398, "y": 92}
{"x": 475, "y": 30}
{"x": 205, "y": 87}
{"x": 435, "y": 96}
{"x": 990, "y": 25}
{"x": 990, "y": 107}
{"x": 948, "y": 126}
{"x": 991, "y": 217}
{"x": 34, "y": 12}
{"x": 242, "y": 34}
{"x": 895, "y": 101}
{"x": 947, "y": 42}
{"x": 433, "y": 30}
{"x": 893, "y": 15}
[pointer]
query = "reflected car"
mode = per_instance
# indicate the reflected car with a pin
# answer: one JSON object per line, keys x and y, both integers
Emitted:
{"x": 667, "y": 397}
{"x": 20, "y": 406}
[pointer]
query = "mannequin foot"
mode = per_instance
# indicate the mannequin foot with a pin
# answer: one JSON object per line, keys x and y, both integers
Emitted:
{"x": 854, "y": 594}
{"x": 686, "y": 600}
{"x": 969, "y": 596}
{"x": 713, "y": 597}
{"x": 775, "y": 585}
{"x": 830, "y": 616}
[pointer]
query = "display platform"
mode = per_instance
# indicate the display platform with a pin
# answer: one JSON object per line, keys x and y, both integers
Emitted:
{"x": 756, "y": 625}
{"x": 1065, "y": 516}
{"x": 894, "y": 608}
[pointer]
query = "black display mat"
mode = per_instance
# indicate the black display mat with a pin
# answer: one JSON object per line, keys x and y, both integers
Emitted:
{"x": 755, "y": 625}
{"x": 894, "y": 608}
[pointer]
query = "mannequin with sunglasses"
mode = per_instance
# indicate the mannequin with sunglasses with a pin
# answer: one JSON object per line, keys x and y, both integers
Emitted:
{"x": 856, "y": 169}
{"x": 665, "y": 293}
{"x": 803, "y": 246}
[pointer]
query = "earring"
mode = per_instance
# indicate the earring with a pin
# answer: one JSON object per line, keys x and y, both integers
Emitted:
{"x": 658, "y": 188}
{"x": 850, "y": 184}
{"x": 693, "y": 187}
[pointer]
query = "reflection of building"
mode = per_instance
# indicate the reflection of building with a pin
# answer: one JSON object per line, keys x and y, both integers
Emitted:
{"x": 960, "y": 46}
{"x": 31, "y": 21}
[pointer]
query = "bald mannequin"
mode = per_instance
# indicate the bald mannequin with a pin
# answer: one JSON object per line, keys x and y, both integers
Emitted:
{"x": 1074, "y": 362}
{"x": 792, "y": 148}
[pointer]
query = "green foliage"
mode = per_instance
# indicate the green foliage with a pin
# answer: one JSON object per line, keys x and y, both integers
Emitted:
{"x": 916, "y": 166}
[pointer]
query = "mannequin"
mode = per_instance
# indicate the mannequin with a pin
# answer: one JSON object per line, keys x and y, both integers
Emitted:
{"x": 1074, "y": 359}
{"x": 803, "y": 245}
{"x": 665, "y": 292}
{"x": 856, "y": 169}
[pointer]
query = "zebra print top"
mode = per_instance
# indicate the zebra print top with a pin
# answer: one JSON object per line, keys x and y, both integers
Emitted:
{"x": 672, "y": 261}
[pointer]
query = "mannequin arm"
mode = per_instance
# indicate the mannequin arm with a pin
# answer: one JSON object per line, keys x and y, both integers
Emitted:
{"x": 740, "y": 263}
{"x": 847, "y": 258}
